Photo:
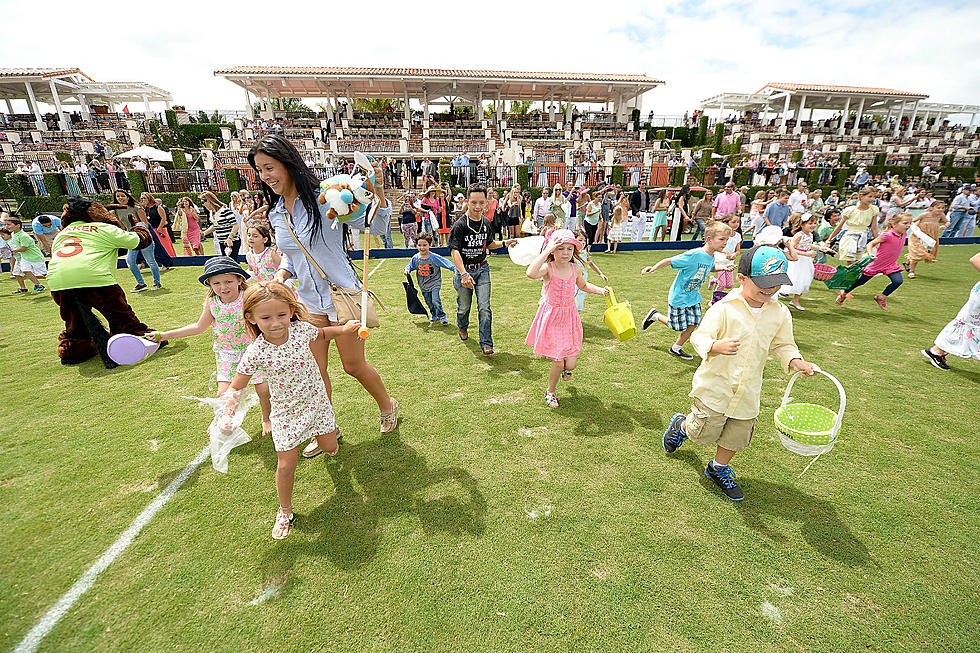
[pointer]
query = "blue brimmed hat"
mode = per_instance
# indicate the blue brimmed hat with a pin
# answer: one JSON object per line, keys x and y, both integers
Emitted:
{"x": 765, "y": 265}
{"x": 221, "y": 265}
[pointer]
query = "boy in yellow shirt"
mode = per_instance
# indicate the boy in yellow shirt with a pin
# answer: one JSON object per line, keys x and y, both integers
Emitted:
{"x": 734, "y": 340}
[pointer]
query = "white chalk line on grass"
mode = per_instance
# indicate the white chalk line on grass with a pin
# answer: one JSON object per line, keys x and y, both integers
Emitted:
{"x": 47, "y": 623}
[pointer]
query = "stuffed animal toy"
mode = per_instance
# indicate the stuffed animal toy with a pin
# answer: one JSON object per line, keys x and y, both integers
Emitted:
{"x": 348, "y": 195}
{"x": 81, "y": 276}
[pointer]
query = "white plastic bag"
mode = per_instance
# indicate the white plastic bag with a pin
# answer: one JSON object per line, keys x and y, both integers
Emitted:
{"x": 225, "y": 430}
{"x": 526, "y": 250}
{"x": 927, "y": 241}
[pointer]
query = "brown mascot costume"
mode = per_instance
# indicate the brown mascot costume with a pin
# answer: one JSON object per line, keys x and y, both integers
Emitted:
{"x": 82, "y": 277}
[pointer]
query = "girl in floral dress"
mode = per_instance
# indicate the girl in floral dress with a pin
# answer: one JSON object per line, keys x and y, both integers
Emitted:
{"x": 222, "y": 313}
{"x": 556, "y": 332}
{"x": 961, "y": 337}
{"x": 263, "y": 259}
{"x": 300, "y": 406}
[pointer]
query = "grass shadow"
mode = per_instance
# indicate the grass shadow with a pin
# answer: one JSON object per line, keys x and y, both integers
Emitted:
{"x": 819, "y": 523}
{"x": 379, "y": 480}
{"x": 504, "y": 363}
{"x": 969, "y": 375}
{"x": 592, "y": 332}
{"x": 596, "y": 418}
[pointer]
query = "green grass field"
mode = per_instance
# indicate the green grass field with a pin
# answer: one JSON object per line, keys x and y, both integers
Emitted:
{"x": 488, "y": 522}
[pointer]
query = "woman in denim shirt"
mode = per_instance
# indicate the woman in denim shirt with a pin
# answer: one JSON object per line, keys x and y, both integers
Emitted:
{"x": 291, "y": 190}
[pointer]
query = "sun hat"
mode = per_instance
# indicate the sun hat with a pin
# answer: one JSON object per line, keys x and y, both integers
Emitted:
{"x": 770, "y": 235}
{"x": 765, "y": 265}
{"x": 563, "y": 236}
{"x": 459, "y": 196}
{"x": 221, "y": 265}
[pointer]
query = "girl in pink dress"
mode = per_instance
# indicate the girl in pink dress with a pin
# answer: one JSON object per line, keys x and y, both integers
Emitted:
{"x": 556, "y": 331}
{"x": 890, "y": 245}
{"x": 300, "y": 406}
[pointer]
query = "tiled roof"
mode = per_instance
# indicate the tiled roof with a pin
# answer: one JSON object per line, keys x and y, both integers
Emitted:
{"x": 38, "y": 72}
{"x": 437, "y": 72}
{"x": 828, "y": 88}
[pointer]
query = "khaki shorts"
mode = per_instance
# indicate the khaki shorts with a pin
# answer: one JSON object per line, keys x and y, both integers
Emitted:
{"x": 706, "y": 426}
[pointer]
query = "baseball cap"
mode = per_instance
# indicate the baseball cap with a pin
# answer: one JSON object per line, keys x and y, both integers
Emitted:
{"x": 766, "y": 266}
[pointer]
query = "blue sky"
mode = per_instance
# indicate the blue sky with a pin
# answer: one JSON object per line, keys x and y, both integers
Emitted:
{"x": 699, "y": 47}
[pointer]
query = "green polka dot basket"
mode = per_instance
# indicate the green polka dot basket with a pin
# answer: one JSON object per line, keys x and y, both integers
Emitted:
{"x": 809, "y": 429}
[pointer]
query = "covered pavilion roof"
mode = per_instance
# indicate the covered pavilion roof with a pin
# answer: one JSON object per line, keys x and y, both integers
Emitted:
{"x": 71, "y": 83}
{"x": 311, "y": 81}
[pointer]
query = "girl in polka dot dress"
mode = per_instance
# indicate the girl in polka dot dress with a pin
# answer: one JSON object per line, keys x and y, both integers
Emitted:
{"x": 300, "y": 407}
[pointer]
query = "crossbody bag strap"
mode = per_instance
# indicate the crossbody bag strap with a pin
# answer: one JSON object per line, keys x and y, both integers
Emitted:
{"x": 288, "y": 221}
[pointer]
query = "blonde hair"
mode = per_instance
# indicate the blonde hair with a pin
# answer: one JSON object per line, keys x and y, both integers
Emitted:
{"x": 617, "y": 216}
{"x": 893, "y": 220}
{"x": 265, "y": 291}
{"x": 717, "y": 228}
{"x": 550, "y": 220}
{"x": 208, "y": 196}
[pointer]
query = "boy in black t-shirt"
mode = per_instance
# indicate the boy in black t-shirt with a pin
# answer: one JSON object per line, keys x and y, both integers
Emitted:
{"x": 469, "y": 241}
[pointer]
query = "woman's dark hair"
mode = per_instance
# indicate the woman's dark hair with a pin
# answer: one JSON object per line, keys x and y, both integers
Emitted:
{"x": 130, "y": 200}
{"x": 306, "y": 182}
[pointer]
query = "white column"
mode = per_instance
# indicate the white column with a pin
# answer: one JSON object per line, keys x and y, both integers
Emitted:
{"x": 721, "y": 111}
{"x": 857, "y": 119}
{"x": 898, "y": 121}
{"x": 973, "y": 117}
{"x": 86, "y": 112}
{"x": 925, "y": 121}
{"x": 765, "y": 113}
{"x": 568, "y": 111}
{"x": 799, "y": 115}
{"x": 10, "y": 109}
{"x": 248, "y": 106}
{"x": 408, "y": 111}
{"x": 551, "y": 108}
{"x": 843, "y": 119}
{"x": 499, "y": 105}
{"x": 33, "y": 102}
{"x": 57, "y": 105}
{"x": 146, "y": 106}
{"x": 478, "y": 109}
{"x": 782, "y": 120}
{"x": 915, "y": 108}
{"x": 166, "y": 103}
{"x": 350, "y": 105}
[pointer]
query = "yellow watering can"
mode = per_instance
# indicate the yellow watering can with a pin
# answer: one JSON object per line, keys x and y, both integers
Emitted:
{"x": 619, "y": 318}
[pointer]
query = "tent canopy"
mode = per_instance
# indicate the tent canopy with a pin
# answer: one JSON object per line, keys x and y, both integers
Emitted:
{"x": 146, "y": 152}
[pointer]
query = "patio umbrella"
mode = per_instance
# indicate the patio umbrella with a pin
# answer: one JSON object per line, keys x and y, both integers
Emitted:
{"x": 146, "y": 152}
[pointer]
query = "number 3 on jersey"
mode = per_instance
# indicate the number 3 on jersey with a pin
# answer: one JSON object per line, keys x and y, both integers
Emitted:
{"x": 70, "y": 246}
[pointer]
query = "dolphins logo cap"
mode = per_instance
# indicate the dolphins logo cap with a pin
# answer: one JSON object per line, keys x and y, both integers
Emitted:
{"x": 766, "y": 265}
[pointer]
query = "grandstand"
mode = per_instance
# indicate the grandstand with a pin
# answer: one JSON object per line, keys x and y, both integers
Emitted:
{"x": 865, "y": 122}
{"x": 86, "y": 112}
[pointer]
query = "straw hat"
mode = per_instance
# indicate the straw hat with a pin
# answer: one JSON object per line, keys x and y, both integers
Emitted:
{"x": 434, "y": 189}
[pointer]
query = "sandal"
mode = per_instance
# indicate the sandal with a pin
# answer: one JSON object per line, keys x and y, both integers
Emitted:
{"x": 911, "y": 275}
{"x": 488, "y": 351}
{"x": 389, "y": 420}
{"x": 551, "y": 399}
{"x": 566, "y": 375}
{"x": 283, "y": 524}
{"x": 463, "y": 335}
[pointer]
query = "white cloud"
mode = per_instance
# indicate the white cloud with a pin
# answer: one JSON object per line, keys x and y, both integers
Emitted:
{"x": 699, "y": 48}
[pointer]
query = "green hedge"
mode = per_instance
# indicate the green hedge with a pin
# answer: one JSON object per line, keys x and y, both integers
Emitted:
{"x": 192, "y": 136}
{"x": 702, "y": 131}
{"x": 234, "y": 179}
{"x": 66, "y": 157}
{"x": 171, "y": 119}
{"x": 719, "y": 136}
{"x": 880, "y": 158}
{"x": 179, "y": 159}
{"x": 137, "y": 183}
{"x": 523, "y": 176}
{"x": 31, "y": 206}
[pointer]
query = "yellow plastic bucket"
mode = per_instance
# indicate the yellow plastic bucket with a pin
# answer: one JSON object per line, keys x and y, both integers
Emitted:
{"x": 619, "y": 318}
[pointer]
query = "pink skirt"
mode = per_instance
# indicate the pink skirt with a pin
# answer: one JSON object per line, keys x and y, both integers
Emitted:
{"x": 726, "y": 279}
{"x": 556, "y": 331}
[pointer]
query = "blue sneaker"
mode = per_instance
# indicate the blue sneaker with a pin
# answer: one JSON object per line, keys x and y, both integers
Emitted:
{"x": 674, "y": 436}
{"x": 724, "y": 478}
